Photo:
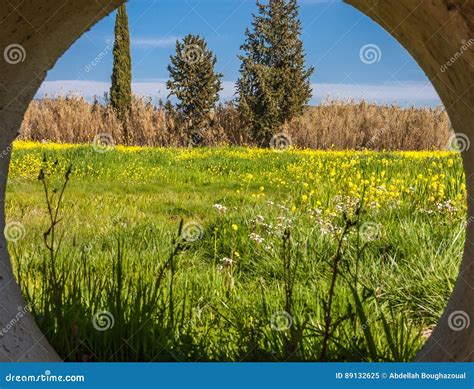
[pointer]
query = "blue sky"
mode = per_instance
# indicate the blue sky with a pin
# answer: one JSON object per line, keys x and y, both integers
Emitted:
{"x": 336, "y": 36}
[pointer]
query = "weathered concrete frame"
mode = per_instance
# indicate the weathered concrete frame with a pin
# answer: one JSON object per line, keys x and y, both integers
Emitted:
{"x": 433, "y": 31}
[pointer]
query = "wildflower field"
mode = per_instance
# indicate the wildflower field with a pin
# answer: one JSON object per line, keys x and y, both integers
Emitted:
{"x": 234, "y": 254}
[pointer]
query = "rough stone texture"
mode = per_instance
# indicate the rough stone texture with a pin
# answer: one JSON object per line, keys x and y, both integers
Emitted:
{"x": 433, "y": 31}
{"x": 45, "y": 29}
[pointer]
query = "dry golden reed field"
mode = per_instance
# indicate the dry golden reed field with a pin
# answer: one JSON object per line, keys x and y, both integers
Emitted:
{"x": 330, "y": 125}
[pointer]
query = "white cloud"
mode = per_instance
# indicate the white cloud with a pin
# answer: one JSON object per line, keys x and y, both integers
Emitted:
{"x": 406, "y": 93}
{"x": 85, "y": 88}
{"x": 160, "y": 42}
{"x": 402, "y": 93}
{"x": 89, "y": 89}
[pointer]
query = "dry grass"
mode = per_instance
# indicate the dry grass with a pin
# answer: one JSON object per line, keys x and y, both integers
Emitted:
{"x": 333, "y": 124}
{"x": 350, "y": 125}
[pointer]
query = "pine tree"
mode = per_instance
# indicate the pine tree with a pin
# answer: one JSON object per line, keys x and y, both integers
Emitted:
{"x": 194, "y": 82}
{"x": 121, "y": 90}
{"x": 274, "y": 84}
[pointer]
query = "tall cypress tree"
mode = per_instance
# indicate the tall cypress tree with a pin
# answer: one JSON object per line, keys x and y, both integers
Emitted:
{"x": 121, "y": 90}
{"x": 274, "y": 84}
{"x": 194, "y": 82}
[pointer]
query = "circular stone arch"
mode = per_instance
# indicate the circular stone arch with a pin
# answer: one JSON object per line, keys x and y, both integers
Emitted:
{"x": 439, "y": 34}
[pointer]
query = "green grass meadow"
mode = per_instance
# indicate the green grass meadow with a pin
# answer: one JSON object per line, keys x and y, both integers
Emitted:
{"x": 235, "y": 254}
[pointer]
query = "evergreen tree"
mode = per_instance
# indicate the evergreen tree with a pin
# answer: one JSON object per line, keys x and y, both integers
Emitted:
{"x": 194, "y": 82}
{"x": 274, "y": 84}
{"x": 121, "y": 90}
